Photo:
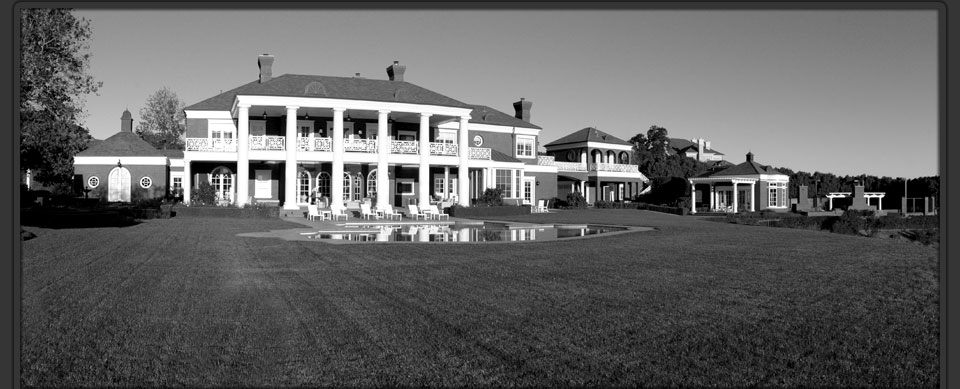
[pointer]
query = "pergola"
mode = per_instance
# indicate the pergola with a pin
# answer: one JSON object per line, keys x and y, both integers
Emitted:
{"x": 866, "y": 195}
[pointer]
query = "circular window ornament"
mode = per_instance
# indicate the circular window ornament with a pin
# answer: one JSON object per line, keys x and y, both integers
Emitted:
{"x": 93, "y": 182}
{"x": 145, "y": 182}
{"x": 478, "y": 141}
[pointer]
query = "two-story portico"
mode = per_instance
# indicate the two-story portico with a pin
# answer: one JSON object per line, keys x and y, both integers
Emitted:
{"x": 297, "y": 137}
{"x": 595, "y": 164}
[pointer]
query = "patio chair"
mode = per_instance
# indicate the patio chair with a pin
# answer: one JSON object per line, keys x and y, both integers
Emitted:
{"x": 366, "y": 213}
{"x": 389, "y": 213}
{"x": 437, "y": 213}
{"x": 541, "y": 206}
{"x": 338, "y": 212}
{"x": 312, "y": 212}
{"x": 415, "y": 213}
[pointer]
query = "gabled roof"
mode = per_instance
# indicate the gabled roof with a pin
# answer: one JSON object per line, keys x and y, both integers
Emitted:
{"x": 351, "y": 88}
{"x": 747, "y": 168}
{"x": 589, "y": 134}
{"x": 121, "y": 144}
{"x": 682, "y": 144}
{"x": 483, "y": 114}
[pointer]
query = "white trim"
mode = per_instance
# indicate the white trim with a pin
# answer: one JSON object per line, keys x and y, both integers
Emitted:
{"x": 85, "y": 160}
{"x": 599, "y": 145}
{"x": 368, "y": 105}
{"x": 140, "y": 181}
{"x": 540, "y": 168}
{"x": 91, "y": 178}
{"x": 455, "y": 125}
{"x": 176, "y": 162}
{"x": 533, "y": 146}
{"x": 191, "y": 114}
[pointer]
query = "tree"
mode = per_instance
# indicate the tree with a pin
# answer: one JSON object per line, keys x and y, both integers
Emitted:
{"x": 651, "y": 151}
{"x": 54, "y": 61}
{"x": 162, "y": 121}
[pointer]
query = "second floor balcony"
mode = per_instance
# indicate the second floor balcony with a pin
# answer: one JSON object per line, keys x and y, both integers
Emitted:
{"x": 356, "y": 145}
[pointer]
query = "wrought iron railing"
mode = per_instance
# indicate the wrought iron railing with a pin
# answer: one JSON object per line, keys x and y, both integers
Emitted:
{"x": 437, "y": 148}
{"x": 404, "y": 147}
{"x": 211, "y": 144}
{"x": 267, "y": 142}
{"x": 479, "y": 153}
{"x": 322, "y": 144}
{"x": 360, "y": 145}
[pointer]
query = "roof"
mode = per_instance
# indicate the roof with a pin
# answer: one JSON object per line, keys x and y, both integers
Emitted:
{"x": 497, "y": 156}
{"x": 747, "y": 168}
{"x": 483, "y": 114}
{"x": 351, "y": 88}
{"x": 173, "y": 154}
{"x": 121, "y": 144}
{"x": 683, "y": 144}
{"x": 589, "y": 134}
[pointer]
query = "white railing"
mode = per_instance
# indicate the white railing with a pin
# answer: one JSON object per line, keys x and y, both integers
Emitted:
{"x": 360, "y": 145}
{"x": 268, "y": 142}
{"x": 545, "y": 160}
{"x": 443, "y": 148}
{"x": 404, "y": 147}
{"x": 571, "y": 166}
{"x": 303, "y": 144}
{"x": 614, "y": 167}
{"x": 479, "y": 153}
{"x": 322, "y": 144}
{"x": 211, "y": 144}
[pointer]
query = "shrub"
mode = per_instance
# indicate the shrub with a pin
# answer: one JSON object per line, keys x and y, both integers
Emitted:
{"x": 558, "y": 203}
{"x": 576, "y": 200}
{"x": 206, "y": 194}
{"x": 853, "y": 222}
{"x": 492, "y": 197}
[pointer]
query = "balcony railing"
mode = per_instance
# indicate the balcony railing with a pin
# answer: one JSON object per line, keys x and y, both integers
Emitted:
{"x": 545, "y": 160}
{"x": 571, "y": 166}
{"x": 614, "y": 167}
{"x": 360, "y": 145}
{"x": 479, "y": 153}
{"x": 267, "y": 142}
{"x": 443, "y": 148}
{"x": 404, "y": 147}
{"x": 211, "y": 144}
{"x": 303, "y": 144}
{"x": 322, "y": 144}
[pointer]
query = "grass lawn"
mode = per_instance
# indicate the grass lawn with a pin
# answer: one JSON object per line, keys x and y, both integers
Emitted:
{"x": 186, "y": 302}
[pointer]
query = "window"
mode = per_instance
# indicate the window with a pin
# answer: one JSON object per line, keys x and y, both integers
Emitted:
{"x": 346, "y": 186}
{"x": 93, "y": 182}
{"x": 504, "y": 181}
{"x": 145, "y": 182}
{"x": 118, "y": 186}
{"x": 303, "y": 187}
{"x": 372, "y": 183}
{"x": 177, "y": 183}
{"x": 323, "y": 184}
{"x": 525, "y": 146}
{"x": 447, "y": 136}
{"x": 405, "y": 187}
{"x": 438, "y": 187}
{"x": 777, "y": 194}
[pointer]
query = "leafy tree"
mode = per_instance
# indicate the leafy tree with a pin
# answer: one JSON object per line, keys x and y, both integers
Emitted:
{"x": 651, "y": 151}
{"x": 162, "y": 121}
{"x": 54, "y": 61}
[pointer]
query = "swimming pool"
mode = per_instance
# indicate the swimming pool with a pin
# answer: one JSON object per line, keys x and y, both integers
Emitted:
{"x": 485, "y": 232}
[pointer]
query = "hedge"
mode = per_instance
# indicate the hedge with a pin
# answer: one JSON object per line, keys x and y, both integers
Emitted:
{"x": 481, "y": 211}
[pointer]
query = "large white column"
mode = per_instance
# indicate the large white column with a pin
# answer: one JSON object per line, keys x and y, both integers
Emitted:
{"x": 187, "y": 180}
{"x": 693, "y": 198}
{"x": 383, "y": 149}
{"x": 243, "y": 161}
{"x": 753, "y": 196}
{"x": 734, "y": 196}
{"x": 424, "y": 191}
{"x": 290, "y": 170}
{"x": 336, "y": 172}
{"x": 713, "y": 204}
{"x": 446, "y": 182}
{"x": 463, "y": 150}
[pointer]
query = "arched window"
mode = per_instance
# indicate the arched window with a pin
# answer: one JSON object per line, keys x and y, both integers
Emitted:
{"x": 597, "y": 156}
{"x": 323, "y": 184}
{"x": 358, "y": 186}
{"x": 346, "y": 186}
{"x": 624, "y": 157}
{"x": 372, "y": 183}
{"x": 303, "y": 187}
{"x": 221, "y": 179}
{"x": 611, "y": 157}
{"x": 118, "y": 186}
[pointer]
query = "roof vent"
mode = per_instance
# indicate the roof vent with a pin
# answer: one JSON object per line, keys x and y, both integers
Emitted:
{"x": 315, "y": 88}
{"x": 749, "y": 156}
{"x": 396, "y": 94}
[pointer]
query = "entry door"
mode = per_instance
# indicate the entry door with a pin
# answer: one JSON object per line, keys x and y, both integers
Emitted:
{"x": 529, "y": 190}
{"x": 119, "y": 185}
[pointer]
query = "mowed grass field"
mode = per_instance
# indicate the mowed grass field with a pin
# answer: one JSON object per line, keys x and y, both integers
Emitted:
{"x": 186, "y": 302}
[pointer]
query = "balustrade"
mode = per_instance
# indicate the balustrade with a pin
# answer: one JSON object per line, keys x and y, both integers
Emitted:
{"x": 545, "y": 160}
{"x": 322, "y": 144}
{"x": 571, "y": 166}
{"x": 360, "y": 145}
{"x": 404, "y": 147}
{"x": 614, "y": 167}
{"x": 211, "y": 144}
{"x": 479, "y": 153}
{"x": 268, "y": 142}
{"x": 442, "y": 148}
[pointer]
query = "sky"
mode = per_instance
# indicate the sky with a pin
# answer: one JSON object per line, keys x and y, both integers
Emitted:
{"x": 847, "y": 92}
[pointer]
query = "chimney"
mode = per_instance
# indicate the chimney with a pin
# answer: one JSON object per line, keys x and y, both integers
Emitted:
{"x": 126, "y": 122}
{"x": 749, "y": 157}
{"x": 356, "y": 75}
{"x": 395, "y": 71}
{"x": 265, "y": 62}
{"x": 523, "y": 109}
{"x": 700, "y": 146}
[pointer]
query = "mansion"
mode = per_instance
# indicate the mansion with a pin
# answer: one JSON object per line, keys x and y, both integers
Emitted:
{"x": 295, "y": 139}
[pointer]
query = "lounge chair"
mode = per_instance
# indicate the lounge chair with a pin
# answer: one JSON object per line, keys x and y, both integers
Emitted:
{"x": 338, "y": 212}
{"x": 415, "y": 213}
{"x": 541, "y": 206}
{"x": 366, "y": 213}
{"x": 437, "y": 213}
{"x": 312, "y": 212}
{"x": 389, "y": 212}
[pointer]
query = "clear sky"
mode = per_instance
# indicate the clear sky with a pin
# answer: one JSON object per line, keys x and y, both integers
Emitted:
{"x": 840, "y": 91}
